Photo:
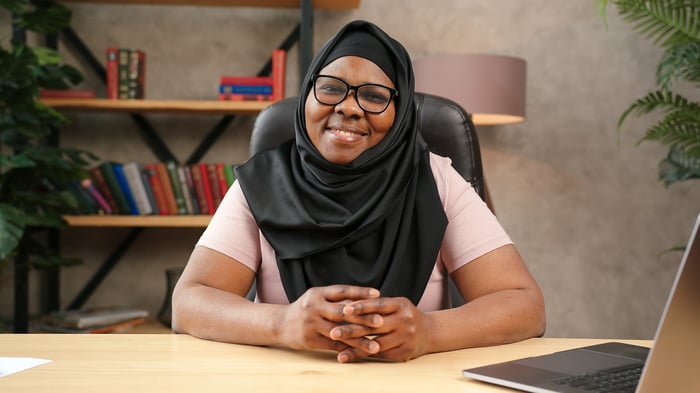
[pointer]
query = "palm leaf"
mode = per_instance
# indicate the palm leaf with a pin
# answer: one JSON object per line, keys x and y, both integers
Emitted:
{"x": 667, "y": 22}
{"x": 679, "y": 62}
{"x": 678, "y": 166}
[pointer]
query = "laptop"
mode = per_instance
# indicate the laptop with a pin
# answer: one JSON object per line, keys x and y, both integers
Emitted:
{"x": 671, "y": 365}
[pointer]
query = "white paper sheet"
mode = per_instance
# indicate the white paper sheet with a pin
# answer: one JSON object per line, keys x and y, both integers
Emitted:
{"x": 14, "y": 365}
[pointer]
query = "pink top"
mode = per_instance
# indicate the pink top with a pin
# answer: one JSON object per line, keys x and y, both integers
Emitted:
{"x": 472, "y": 231}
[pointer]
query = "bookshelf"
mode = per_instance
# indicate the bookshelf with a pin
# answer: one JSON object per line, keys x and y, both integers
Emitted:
{"x": 301, "y": 35}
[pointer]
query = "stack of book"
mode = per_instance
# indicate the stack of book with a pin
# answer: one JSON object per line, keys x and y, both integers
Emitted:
{"x": 159, "y": 188}
{"x": 256, "y": 88}
{"x": 94, "y": 320}
{"x": 126, "y": 73}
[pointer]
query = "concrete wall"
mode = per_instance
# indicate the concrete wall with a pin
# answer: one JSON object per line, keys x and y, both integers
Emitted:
{"x": 586, "y": 211}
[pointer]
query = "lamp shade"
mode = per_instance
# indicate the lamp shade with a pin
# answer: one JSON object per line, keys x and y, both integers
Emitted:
{"x": 489, "y": 87}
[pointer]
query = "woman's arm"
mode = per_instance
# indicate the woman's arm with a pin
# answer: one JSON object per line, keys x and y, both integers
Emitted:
{"x": 209, "y": 302}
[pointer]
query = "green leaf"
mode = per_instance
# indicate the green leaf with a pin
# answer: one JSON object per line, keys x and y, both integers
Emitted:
{"x": 12, "y": 226}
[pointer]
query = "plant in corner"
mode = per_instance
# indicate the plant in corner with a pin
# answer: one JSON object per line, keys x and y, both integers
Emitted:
{"x": 674, "y": 25}
{"x": 29, "y": 167}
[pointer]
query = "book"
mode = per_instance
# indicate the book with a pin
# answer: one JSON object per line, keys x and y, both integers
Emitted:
{"x": 221, "y": 178}
{"x": 245, "y": 89}
{"x": 245, "y": 97}
{"x": 136, "y": 74}
{"x": 94, "y": 317}
{"x": 246, "y": 80}
{"x": 177, "y": 187}
{"x": 98, "y": 180}
{"x": 132, "y": 174}
{"x": 86, "y": 204}
{"x": 279, "y": 65}
{"x": 68, "y": 93}
{"x": 167, "y": 187}
{"x": 124, "y": 185}
{"x": 96, "y": 195}
{"x": 185, "y": 189}
{"x": 151, "y": 172}
{"x": 216, "y": 194}
{"x": 112, "y": 73}
{"x": 201, "y": 182}
{"x": 229, "y": 175}
{"x": 191, "y": 188}
{"x": 149, "y": 190}
{"x": 107, "y": 169}
{"x": 123, "y": 66}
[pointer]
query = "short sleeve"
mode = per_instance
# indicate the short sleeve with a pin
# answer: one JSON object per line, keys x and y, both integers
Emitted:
{"x": 472, "y": 228}
{"x": 233, "y": 230}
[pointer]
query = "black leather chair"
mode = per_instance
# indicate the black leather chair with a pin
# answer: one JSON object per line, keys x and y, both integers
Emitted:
{"x": 445, "y": 126}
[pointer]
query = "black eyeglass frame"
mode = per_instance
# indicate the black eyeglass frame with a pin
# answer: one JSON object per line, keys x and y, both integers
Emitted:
{"x": 348, "y": 88}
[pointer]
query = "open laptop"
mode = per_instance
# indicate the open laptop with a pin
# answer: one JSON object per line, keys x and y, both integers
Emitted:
{"x": 672, "y": 364}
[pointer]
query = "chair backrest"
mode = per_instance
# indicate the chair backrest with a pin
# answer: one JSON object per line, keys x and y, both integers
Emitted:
{"x": 444, "y": 124}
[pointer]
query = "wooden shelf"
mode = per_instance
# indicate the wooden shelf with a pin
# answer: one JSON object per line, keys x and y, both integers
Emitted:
{"x": 192, "y": 221}
{"x": 154, "y": 106}
{"x": 318, "y": 4}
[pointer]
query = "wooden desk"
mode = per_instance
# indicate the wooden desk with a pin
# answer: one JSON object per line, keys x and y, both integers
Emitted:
{"x": 129, "y": 363}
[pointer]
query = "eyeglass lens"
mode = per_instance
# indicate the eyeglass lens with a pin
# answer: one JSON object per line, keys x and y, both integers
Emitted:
{"x": 371, "y": 98}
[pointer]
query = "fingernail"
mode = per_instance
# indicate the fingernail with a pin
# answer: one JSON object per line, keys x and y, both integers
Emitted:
{"x": 374, "y": 292}
{"x": 377, "y": 320}
{"x": 335, "y": 333}
{"x": 343, "y": 358}
{"x": 373, "y": 347}
{"x": 348, "y": 310}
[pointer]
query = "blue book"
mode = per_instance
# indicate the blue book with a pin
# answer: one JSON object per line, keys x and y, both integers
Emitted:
{"x": 245, "y": 89}
{"x": 121, "y": 179}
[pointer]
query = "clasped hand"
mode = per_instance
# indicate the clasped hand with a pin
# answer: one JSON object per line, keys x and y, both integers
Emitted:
{"x": 356, "y": 322}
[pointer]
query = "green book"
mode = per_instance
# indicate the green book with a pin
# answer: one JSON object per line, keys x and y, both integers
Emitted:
{"x": 177, "y": 187}
{"x": 230, "y": 176}
{"x": 111, "y": 179}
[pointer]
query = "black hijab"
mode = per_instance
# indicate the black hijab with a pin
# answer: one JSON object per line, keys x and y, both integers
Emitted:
{"x": 376, "y": 221}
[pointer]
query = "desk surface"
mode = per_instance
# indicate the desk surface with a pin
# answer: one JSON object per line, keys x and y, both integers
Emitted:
{"x": 128, "y": 363}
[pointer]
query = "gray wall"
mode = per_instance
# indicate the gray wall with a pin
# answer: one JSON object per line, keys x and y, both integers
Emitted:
{"x": 586, "y": 211}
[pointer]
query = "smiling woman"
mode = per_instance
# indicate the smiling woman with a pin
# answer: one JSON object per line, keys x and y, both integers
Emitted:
{"x": 350, "y": 230}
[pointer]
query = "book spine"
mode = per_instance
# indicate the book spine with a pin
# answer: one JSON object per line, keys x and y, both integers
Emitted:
{"x": 133, "y": 74}
{"x": 221, "y": 178}
{"x": 107, "y": 169}
{"x": 177, "y": 188}
{"x": 112, "y": 74}
{"x": 199, "y": 189}
{"x": 192, "y": 190}
{"x": 132, "y": 174}
{"x": 96, "y": 195}
{"x": 229, "y": 175}
{"x": 69, "y": 93}
{"x": 158, "y": 189}
{"x": 206, "y": 185}
{"x": 214, "y": 185}
{"x": 245, "y": 97}
{"x": 246, "y": 80}
{"x": 185, "y": 189}
{"x": 149, "y": 191}
{"x": 123, "y": 80}
{"x": 167, "y": 187}
{"x": 86, "y": 204}
{"x": 245, "y": 89}
{"x": 98, "y": 180}
{"x": 279, "y": 65}
{"x": 141, "y": 86}
{"x": 124, "y": 185}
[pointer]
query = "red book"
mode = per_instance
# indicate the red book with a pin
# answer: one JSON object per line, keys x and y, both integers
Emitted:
{"x": 112, "y": 67}
{"x": 279, "y": 63}
{"x": 245, "y": 97}
{"x": 70, "y": 93}
{"x": 157, "y": 187}
{"x": 206, "y": 184}
{"x": 214, "y": 185}
{"x": 167, "y": 187}
{"x": 246, "y": 80}
{"x": 199, "y": 189}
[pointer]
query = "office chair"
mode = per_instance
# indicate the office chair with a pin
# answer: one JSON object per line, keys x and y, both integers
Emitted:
{"x": 445, "y": 126}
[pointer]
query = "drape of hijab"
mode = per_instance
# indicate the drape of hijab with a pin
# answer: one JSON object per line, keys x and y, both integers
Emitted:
{"x": 376, "y": 221}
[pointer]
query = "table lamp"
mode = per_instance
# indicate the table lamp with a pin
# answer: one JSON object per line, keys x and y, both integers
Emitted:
{"x": 489, "y": 87}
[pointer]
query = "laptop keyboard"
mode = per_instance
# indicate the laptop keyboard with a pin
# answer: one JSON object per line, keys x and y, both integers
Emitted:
{"x": 620, "y": 380}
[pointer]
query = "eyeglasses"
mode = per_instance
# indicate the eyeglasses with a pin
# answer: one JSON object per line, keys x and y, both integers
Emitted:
{"x": 371, "y": 97}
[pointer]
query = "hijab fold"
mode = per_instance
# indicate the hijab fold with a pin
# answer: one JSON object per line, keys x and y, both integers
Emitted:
{"x": 376, "y": 221}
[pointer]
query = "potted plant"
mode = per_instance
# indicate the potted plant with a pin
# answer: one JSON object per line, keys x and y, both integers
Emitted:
{"x": 29, "y": 167}
{"x": 674, "y": 25}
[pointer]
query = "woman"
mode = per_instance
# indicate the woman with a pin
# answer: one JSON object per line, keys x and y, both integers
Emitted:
{"x": 351, "y": 229}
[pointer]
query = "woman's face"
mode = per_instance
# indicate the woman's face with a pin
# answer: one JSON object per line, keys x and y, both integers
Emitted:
{"x": 343, "y": 131}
